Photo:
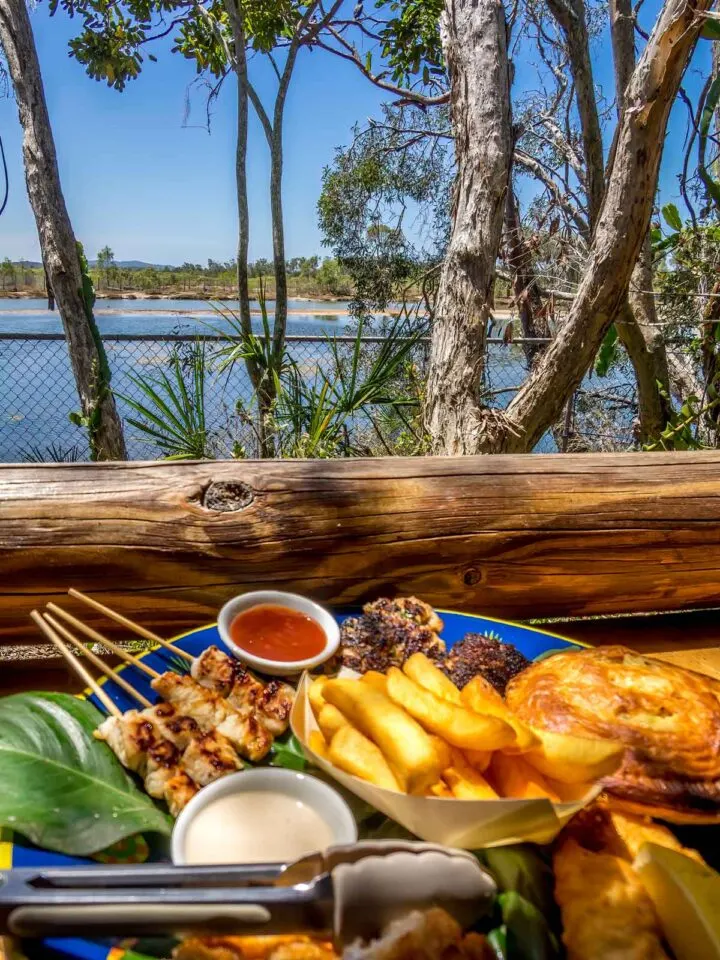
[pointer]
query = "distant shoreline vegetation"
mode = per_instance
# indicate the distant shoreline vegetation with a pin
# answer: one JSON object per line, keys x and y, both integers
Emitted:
{"x": 311, "y": 278}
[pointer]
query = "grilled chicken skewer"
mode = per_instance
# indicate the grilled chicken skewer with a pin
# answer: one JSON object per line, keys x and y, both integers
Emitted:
{"x": 195, "y": 736}
{"x": 212, "y": 669}
{"x": 163, "y": 778}
{"x": 272, "y": 701}
{"x": 213, "y": 713}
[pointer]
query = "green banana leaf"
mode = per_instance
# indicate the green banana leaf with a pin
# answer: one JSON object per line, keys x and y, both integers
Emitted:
{"x": 59, "y": 786}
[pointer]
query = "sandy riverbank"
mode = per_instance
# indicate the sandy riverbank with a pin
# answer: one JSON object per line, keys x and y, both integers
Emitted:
{"x": 330, "y": 312}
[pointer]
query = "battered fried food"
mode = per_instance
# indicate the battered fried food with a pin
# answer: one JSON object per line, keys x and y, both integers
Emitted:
{"x": 286, "y": 947}
{"x": 602, "y": 829}
{"x": 606, "y": 912}
{"x": 423, "y": 935}
{"x": 498, "y": 662}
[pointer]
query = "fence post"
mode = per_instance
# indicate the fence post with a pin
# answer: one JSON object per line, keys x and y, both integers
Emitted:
{"x": 567, "y": 425}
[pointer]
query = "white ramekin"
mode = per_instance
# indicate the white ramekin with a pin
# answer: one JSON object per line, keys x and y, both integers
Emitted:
{"x": 326, "y": 802}
{"x": 294, "y": 601}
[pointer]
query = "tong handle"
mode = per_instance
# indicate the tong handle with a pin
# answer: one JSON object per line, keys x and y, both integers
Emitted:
{"x": 149, "y": 875}
{"x": 137, "y": 919}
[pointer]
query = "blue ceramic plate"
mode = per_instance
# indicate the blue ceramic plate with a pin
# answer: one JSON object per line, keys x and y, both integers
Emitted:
{"x": 531, "y": 642}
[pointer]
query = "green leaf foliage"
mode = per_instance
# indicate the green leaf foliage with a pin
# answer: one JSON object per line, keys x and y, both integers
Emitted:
{"x": 711, "y": 29}
{"x": 62, "y": 788}
{"x": 528, "y": 935}
{"x": 608, "y": 353}
{"x": 519, "y": 868}
{"x": 711, "y": 105}
{"x": 287, "y": 752}
{"x": 672, "y": 217}
{"x": 410, "y": 38}
{"x": 172, "y": 413}
{"x": 114, "y": 34}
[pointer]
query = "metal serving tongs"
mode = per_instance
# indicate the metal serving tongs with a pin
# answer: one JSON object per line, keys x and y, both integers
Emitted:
{"x": 346, "y": 893}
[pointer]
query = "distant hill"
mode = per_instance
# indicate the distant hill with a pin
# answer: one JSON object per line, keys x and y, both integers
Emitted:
{"x": 125, "y": 264}
{"x": 137, "y": 265}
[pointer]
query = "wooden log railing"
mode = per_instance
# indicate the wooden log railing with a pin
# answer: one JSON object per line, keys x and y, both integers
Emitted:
{"x": 516, "y": 537}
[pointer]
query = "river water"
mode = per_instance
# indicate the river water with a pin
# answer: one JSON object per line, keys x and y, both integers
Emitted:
{"x": 37, "y": 390}
{"x": 305, "y": 317}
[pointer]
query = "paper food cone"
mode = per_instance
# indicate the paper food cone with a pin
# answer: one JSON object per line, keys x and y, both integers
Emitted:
{"x": 469, "y": 824}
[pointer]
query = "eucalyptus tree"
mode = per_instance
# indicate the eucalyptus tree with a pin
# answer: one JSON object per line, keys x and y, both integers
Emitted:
{"x": 457, "y": 420}
{"x": 62, "y": 258}
{"x": 219, "y": 36}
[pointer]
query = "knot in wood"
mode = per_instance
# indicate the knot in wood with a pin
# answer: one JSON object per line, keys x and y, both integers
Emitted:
{"x": 472, "y": 576}
{"x": 227, "y": 496}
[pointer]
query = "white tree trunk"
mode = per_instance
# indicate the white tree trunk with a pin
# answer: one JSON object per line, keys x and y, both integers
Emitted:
{"x": 619, "y": 234}
{"x": 637, "y": 324}
{"x": 474, "y": 43}
{"x": 57, "y": 241}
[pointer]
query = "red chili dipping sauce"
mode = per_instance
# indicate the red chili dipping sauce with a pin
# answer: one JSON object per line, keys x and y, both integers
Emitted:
{"x": 277, "y": 633}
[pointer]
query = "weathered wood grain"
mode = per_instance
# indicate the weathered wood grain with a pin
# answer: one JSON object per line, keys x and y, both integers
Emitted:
{"x": 511, "y": 536}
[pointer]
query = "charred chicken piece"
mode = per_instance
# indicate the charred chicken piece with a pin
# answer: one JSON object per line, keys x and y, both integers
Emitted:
{"x": 271, "y": 701}
{"x": 209, "y": 757}
{"x": 498, "y": 662}
{"x": 409, "y": 607}
{"x": 388, "y": 632}
{"x": 179, "y": 791}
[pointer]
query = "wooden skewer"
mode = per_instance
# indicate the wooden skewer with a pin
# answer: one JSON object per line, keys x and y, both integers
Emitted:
{"x": 111, "y": 707}
{"x": 100, "y": 664}
{"x": 99, "y": 638}
{"x": 130, "y": 624}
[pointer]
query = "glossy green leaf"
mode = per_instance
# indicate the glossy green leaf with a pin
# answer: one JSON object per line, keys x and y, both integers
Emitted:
{"x": 520, "y": 869}
{"x": 62, "y": 788}
{"x": 497, "y": 939}
{"x": 287, "y": 752}
{"x": 528, "y": 935}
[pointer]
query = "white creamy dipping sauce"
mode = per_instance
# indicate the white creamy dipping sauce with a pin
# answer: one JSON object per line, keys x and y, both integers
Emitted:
{"x": 255, "y": 827}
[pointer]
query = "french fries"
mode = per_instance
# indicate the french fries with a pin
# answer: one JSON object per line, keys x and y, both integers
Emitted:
{"x": 407, "y": 748}
{"x": 424, "y": 672}
{"x": 414, "y": 731}
{"x": 514, "y": 777}
{"x": 317, "y": 701}
{"x": 480, "y": 759}
{"x": 482, "y": 697}
{"x": 330, "y": 720}
{"x": 318, "y": 744}
{"x": 355, "y": 754}
{"x": 572, "y": 759}
{"x": 465, "y": 782}
{"x": 441, "y": 789}
{"x": 459, "y": 726}
{"x": 443, "y": 751}
{"x": 375, "y": 679}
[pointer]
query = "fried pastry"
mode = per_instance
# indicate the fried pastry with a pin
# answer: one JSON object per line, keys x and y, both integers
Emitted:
{"x": 667, "y": 718}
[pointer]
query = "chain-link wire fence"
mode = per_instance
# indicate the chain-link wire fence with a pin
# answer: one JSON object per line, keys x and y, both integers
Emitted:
{"x": 37, "y": 393}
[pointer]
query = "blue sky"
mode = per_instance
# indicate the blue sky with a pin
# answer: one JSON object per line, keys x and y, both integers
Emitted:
{"x": 137, "y": 179}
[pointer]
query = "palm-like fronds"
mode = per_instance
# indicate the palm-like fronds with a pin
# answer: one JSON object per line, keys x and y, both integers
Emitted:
{"x": 173, "y": 414}
{"x": 52, "y": 453}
